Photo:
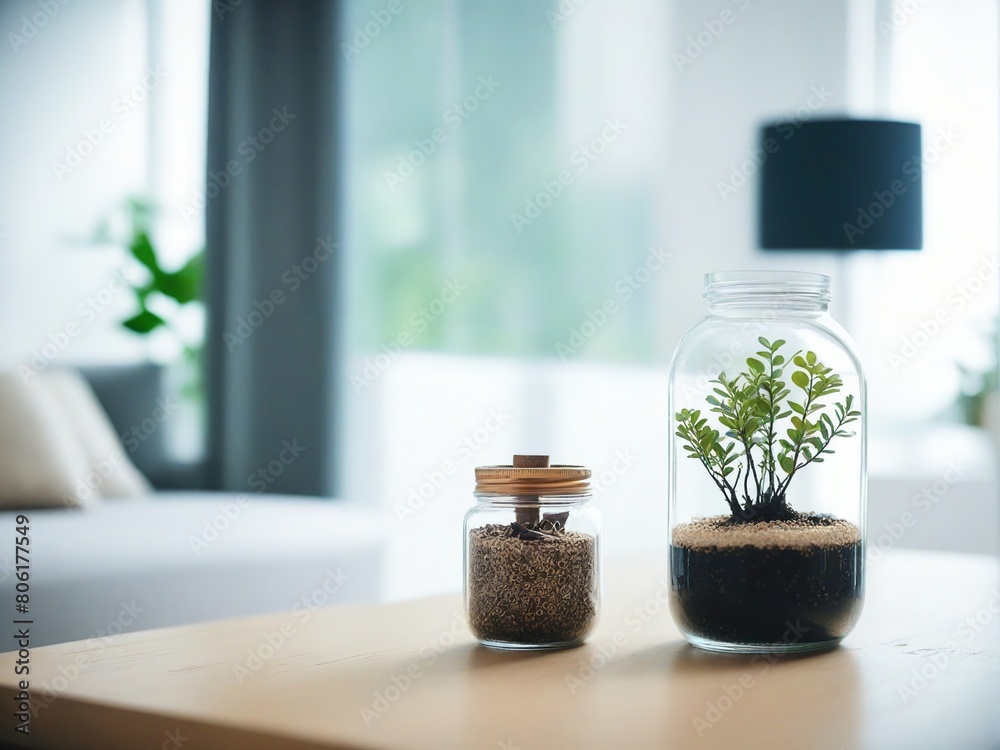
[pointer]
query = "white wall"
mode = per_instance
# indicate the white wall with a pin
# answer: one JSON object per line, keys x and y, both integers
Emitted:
{"x": 765, "y": 64}
{"x": 62, "y": 83}
{"x": 62, "y": 74}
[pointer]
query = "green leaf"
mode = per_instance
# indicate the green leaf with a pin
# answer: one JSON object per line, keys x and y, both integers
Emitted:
{"x": 811, "y": 358}
{"x": 755, "y": 365}
{"x": 184, "y": 284}
{"x": 144, "y": 322}
{"x": 142, "y": 250}
{"x": 786, "y": 464}
{"x": 800, "y": 379}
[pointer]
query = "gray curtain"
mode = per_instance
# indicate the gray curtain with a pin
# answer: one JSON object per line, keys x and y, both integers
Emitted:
{"x": 272, "y": 273}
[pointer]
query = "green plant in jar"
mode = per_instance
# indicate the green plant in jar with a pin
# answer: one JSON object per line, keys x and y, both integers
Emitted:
{"x": 778, "y": 419}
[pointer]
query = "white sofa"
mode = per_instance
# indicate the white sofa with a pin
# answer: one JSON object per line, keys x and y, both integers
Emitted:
{"x": 185, "y": 557}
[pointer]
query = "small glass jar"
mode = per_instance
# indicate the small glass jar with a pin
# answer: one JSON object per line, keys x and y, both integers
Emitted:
{"x": 532, "y": 556}
{"x": 767, "y": 553}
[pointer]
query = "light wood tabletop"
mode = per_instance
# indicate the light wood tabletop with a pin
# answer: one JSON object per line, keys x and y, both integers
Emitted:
{"x": 920, "y": 671}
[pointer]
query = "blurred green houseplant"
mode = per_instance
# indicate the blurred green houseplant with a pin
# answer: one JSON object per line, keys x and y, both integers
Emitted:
{"x": 980, "y": 385}
{"x": 184, "y": 285}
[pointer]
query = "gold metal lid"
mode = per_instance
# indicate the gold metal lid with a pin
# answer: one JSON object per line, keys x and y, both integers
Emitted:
{"x": 532, "y": 476}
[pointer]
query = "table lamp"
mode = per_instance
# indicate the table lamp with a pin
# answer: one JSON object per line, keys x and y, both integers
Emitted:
{"x": 841, "y": 185}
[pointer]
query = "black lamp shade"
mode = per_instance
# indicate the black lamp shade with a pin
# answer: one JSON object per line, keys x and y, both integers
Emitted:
{"x": 841, "y": 185}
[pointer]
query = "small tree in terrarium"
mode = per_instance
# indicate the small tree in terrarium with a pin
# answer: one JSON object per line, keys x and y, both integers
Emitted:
{"x": 767, "y": 576}
{"x": 751, "y": 407}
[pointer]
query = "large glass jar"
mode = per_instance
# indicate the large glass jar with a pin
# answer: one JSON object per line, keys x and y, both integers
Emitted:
{"x": 767, "y": 468}
{"x": 532, "y": 556}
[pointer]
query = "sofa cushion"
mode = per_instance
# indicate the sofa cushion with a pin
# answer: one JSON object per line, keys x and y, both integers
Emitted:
{"x": 41, "y": 460}
{"x": 111, "y": 472}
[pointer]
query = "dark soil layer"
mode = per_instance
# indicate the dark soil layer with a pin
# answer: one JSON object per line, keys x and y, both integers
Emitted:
{"x": 532, "y": 584}
{"x": 767, "y": 583}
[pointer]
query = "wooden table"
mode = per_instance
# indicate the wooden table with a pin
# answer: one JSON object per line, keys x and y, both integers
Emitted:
{"x": 920, "y": 671}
